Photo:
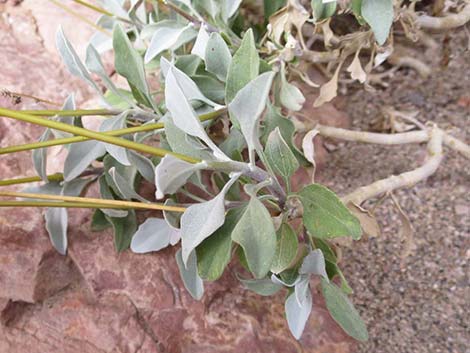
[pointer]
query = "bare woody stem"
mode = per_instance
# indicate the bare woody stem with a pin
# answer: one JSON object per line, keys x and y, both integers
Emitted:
{"x": 98, "y": 203}
{"x": 403, "y": 180}
{"x": 446, "y": 22}
{"x": 393, "y": 139}
{"x": 435, "y": 137}
{"x": 94, "y": 135}
{"x": 120, "y": 132}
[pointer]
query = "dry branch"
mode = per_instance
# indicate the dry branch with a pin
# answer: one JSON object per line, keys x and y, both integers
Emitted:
{"x": 435, "y": 137}
{"x": 406, "y": 179}
{"x": 447, "y": 22}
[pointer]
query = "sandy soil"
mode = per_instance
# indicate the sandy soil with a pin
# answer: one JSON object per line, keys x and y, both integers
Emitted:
{"x": 418, "y": 303}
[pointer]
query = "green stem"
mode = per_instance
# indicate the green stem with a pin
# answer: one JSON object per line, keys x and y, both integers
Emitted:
{"x": 94, "y": 8}
{"x": 53, "y": 177}
{"x": 53, "y": 204}
{"x": 120, "y": 132}
{"x": 79, "y": 112}
{"x": 98, "y": 203}
{"x": 80, "y": 17}
{"x": 62, "y": 205}
{"x": 94, "y": 135}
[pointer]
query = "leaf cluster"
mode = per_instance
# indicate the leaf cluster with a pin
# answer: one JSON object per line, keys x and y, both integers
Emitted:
{"x": 225, "y": 151}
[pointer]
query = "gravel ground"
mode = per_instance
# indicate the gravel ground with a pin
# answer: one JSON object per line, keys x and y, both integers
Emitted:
{"x": 418, "y": 303}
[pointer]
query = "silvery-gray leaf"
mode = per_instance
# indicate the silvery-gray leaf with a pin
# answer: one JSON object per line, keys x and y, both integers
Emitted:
{"x": 107, "y": 195}
{"x": 243, "y": 68}
{"x": 101, "y": 42}
{"x": 231, "y": 7}
{"x": 172, "y": 218}
{"x": 279, "y": 156}
{"x": 115, "y": 7}
{"x": 56, "y": 225}
{"x": 175, "y": 237}
{"x": 188, "y": 63}
{"x": 129, "y": 64}
{"x": 142, "y": 136}
{"x": 291, "y": 96}
{"x": 153, "y": 235}
{"x": 40, "y": 157}
{"x": 195, "y": 143}
{"x": 114, "y": 213}
{"x": 217, "y": 57}
{"x": 235, "y": 142}
{"x": 301, "y": 289}
{"x": 57, "y": 218}
{"x": 314, "y": 263}
{"x": 185, "y": 2}
{"x": 199, "y": 47}
{"x": 255, "y": 233}
{"x": 211, "y": 6}
{"x": 189, "y": 4}
{"x": 116, "y": 123}
{"x": 148, "y": 31}
{"x": 51, "y": 188}
{"x": 95, "y": 65}
{"x": 69, "y": 104}
{"x": 129, "y": 173}
{"x": 186, "y": 84}
{"x": 276, "y": 279}
{"x": 191, "y": 280}
{"x": 143, "y": 165}
{"x": 379, "y": 15}
{"x": 297, "y": 315}
{"x": 72, "y": 60}
{"x": 183, "y": 114}
{"x": 248, "y": 105}
{"x": 172, "y": 173}
{"x": 80, "y": 156}
{"x": 200, "y": 220}
{"x": 186, "y": 36}
{"x": 210, "y": 86}
{"x": 124, "y": 228}
{"x": 343, "y": 311}
{"x": 286, "y": 249}
{"x": 177, "y": 139}
{"x": 163, "y": 39}
{"x": 75, "y": 187}
{"x": 124, "y": 187}
{"x": 264, "y": 287}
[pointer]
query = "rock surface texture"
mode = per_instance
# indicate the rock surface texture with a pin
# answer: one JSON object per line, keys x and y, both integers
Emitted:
{"x": 94, "y": 300}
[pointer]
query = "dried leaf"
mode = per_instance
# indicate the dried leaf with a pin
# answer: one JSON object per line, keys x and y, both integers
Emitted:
{"x": 368, "y": 222}
{"x": 308, "y": 146}
{"x": 329, "y": 90}
{"x": 356, "y": 70}
{"x": 293, "y": 15}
